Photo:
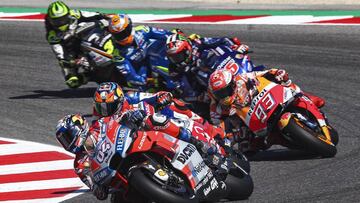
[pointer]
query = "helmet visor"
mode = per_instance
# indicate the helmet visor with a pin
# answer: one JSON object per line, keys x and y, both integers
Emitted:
{"x": 181, "y": 59}
{"x": 67, "y": 137}
{"x": 107, "y": 109}
{"x": 224, "y": 92}
{"x": 61, "y": 23}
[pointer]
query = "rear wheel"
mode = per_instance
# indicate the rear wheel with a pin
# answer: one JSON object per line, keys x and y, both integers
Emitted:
{"x": 308, "y": 139}
{"x": 142, "y": 182}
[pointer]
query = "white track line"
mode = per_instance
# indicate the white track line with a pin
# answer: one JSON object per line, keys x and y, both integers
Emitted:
{"x": 41, "y": 185}
{"x": 36, "y": 167}
{"x": 283, "y": 20}
{"x": 21, "y": 148}
{"x": 49, "y": 200}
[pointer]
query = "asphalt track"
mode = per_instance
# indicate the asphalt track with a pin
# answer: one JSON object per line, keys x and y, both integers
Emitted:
{"x": 322, "y": 60}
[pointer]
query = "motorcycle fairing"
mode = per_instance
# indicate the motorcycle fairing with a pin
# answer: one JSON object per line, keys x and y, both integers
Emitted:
{"x": 188, "y": 160}
{"x": 123, "y": 140}
{"x": 262, "y": 106}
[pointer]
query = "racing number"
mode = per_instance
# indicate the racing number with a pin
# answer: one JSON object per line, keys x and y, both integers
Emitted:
{"x": 102, "y": 153}
{"x": 265, "y": 105}
{"x": 109, "y": 47}
{"x": 201, "y": 131}
{"x": 232, "y": 67}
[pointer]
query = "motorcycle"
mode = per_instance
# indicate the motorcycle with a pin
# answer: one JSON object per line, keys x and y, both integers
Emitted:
{"x": 93, "y": 56}
{"x": 145, "y": 166}
{"x": 96, "y": 54}
{"x": 282, "y": 115}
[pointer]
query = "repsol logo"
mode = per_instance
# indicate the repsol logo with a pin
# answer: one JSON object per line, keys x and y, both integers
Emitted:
{"x": 186, "y": 153}
{"x": 256, "y": 100}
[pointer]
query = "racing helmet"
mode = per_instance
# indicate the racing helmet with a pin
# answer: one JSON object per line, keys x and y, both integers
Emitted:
{"x": 221, "y": 86}
{"x": 120, "y": 26}
{"x": 109, "y": 98}
{"x": 179, "y": 51}
{"x": 59, "y": 15}
{"x": 71, "y": 132}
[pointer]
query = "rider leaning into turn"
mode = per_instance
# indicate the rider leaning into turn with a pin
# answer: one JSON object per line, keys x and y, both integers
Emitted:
{"x": 75, "y": 135}
{"x": 109, "y": 100}
{"x": 60, "y": 24}
{"x": 135, "y": 53}
{"x": 193, "y": 57}
{"x": 229, "y": 92}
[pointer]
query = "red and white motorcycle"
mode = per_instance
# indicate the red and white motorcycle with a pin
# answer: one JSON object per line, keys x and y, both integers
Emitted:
{"x": 283, "y": 115}
{"x": 151, "y": 166}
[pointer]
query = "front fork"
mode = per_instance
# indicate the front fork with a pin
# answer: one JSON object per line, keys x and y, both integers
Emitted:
{"x": 303, "y": 103}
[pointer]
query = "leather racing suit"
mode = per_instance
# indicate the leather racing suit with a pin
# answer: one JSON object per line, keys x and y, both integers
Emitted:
{"x": 194, "y": 80}
{"x": 66, "y": 47}
{"x": 144, "y": 57}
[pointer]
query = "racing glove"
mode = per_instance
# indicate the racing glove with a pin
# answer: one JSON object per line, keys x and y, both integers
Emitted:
{"x": 194, "y": 36}
{"x": 135, "y": 119}
{"x": 82, "y": 61}
{"x": 163, "y": 99}
{"x": 282, "y": 77}
{"x": 236, "y": 41}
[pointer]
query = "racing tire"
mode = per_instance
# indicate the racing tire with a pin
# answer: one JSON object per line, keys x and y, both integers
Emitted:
{"x": 153, "y": 191}
{"x": 308, "y": 139}
{"x": 129, "y": 196}
{"x": 239, "y": 188}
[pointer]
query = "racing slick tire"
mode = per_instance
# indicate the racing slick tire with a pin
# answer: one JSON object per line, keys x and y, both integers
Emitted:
{"x": 153, "y": 191}
{"x": 308, "y": 139}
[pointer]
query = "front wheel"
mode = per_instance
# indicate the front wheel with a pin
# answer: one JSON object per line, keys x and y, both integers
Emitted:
{"x": 143, "y": 183}
{"x": 240, "y": 188}
{"x": 308, "y": 139}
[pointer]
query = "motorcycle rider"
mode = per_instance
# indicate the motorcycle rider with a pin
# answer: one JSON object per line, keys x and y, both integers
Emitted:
{"x": 192, "y": 60}
{"x": 138, "y": 50}
{"x": 109, "y": 100}
{"x": 229, "y": 92}
{"x": 60, "y": 24}
{"x": 75, "y": 136}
